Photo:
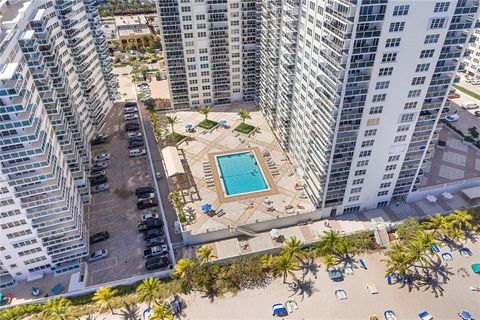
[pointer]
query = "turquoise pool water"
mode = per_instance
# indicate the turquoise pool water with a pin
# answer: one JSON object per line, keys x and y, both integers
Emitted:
{"x": 240, "y": 173}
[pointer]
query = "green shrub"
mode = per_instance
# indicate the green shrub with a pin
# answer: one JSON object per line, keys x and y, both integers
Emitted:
{"x": 176, "y": 136}
{"x": 181, "y": 217}
{"x": 207, "y": 124}
{"x": 20, "y": 312}
{"x": 244, "y": 128}
{"x": 467, "y": 91}
{"x": 469, "y": 139}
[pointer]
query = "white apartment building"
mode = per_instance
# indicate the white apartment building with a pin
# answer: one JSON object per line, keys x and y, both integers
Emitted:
{"x": 210, "y": 48}
{"x": 472, "y": 61}
{"x": 370, "y": 80}
{"x": 55, "y": 83}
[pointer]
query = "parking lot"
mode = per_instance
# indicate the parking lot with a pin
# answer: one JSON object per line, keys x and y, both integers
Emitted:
{"x": 115, "y": 210}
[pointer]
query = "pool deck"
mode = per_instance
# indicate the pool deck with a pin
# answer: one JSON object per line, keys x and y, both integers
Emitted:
{"x": 288, "y": 198}
{"x": 222, "y": 197}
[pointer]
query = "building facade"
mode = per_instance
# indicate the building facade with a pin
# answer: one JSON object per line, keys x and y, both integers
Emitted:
{"x": 55, "y": 94}
{"x": 370, "y": 80}
{"x": 210, "y": 50}
{"x": 472, "y": 61}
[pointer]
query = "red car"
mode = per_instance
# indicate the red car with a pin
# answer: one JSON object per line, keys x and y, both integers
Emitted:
{"x": 454, "y": 96}
{"x": 147, "y": 203}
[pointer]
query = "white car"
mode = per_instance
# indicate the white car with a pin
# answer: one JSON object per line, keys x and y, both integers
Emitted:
{"x": 101, "y": 157}
{"x": 130, "y": 116}
{"x": 149, "y": 216}
{"x": 130, "y": 109}
{"x": 101, "y": 136}
{"x": 475, "y": 82}
{"x": 100, "y": 188}
{"x": 469, "y": 105}
{"x": 136, "y": 153}
{"x": 133, "y": 134}
{"x": 452, "y": 118}
{"x": 98, "y": 255}
{"x": 146, "y": 196}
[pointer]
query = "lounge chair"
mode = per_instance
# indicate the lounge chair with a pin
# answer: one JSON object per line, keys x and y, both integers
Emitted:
{"x": 425, "y": 316}
{"x": 466, "y": 252}
{"x": 389, "y": 315}
{"x": 447, "y": 256}
{"x": 341, "y": 294}
{"x": 465, "y": 315}
{"x": 371, "y": 288}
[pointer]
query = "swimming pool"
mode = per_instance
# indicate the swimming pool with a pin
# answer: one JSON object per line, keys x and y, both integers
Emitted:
{"x": 240, "y": 173}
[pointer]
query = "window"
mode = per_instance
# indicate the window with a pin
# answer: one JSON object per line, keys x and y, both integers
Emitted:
{"x": 410, "y": 105}
{"x": 367, "y": 143}
{"x": 200, "y": 17}
{"x": 382, "y": 204}
{"x": 407, "y": 117}
{"x": 441, "y": 6}
{"x": 373, "y": 122}
{"x": 426, "y": 53}
{"x": 203, "y": 50}
{"x": 354, "y": 198}
{"x": 431, "y": 38}
{"x": 382, "y": 193}
{"x": 201, "y": 34}
{"x": 357, "y": 181}
{"x": 376, "y": 110}
{"x": 437, "y": 23}
{"x": 394, "y": 158}
{"x": 187, "y": 18}
{"x": 369, "y": 133}
{"x": 351, "y": 209}
{"x": 389, "y": 57}
{"x": 385, "y": 185}
{"x": 356, "y": 190}
{"x": 362, "y": 163}
{"x": 379, "y": 97}
{"x": 365, "y": 153}
{"x": 390, "y": 167}
{"x": 418, "y": 81}
{"x": 414, "y": 93}
{"x": 382, "y": 85}
{"x": 392, "y": 42}
{"x": 188, "y": 35}
{"x": 185, "y": 9}
{"x": 422, "y": 67}
{"x": 385, "y": 72}
{"x": 403, "y": 128}
{"x": 387, "y": 176}
{"x": 360, "y": 172}
{"x": 396, "y": 26}
{"x": 400, "y": 139}
{"x": 401, "y": 10}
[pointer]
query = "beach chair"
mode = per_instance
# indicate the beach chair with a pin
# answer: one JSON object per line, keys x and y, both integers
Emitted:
{"x": 425, "y": 316}
{"x": 466, "y": 252}
{"x": 465, "y": 315}
{"x": 371, "y": 288}
{"x": 389, "y": 315}
{"x": 447, "y": 256}
{"x": 340, "y": 294}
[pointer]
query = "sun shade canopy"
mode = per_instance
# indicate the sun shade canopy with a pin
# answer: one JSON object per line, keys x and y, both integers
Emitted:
{"x": 173, "y": 165}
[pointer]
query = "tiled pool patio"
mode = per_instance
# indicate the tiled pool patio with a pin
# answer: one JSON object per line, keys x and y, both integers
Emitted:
{"x": 288, "y": 199}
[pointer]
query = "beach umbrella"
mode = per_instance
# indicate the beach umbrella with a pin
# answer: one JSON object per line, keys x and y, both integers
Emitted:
{"x": 188, "y": 126}
{"x": 275, "y": 233}
{"x": 206, "y": 207}
{"x": 223, "y": 122}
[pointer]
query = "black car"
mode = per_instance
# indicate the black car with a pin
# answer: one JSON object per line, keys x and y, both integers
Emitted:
{"x": 132, "y": 127}
{"x": 135, "y": 144}
{"x": 130, "y": 104}
{"x": 131, "y": 139}
{"x": 98, "y": 141}
{"x": 157, "y": 262}
{"x": 98, "y": 180}
{"x": 150, "y": 224}
{"x": 153, "y": 233}
{"x": 143, "y": 190}
{"x": 100, "y": 236}
{"x": 154, "y": 242}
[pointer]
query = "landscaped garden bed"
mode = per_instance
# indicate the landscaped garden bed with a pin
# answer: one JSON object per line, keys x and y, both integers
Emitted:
{"x": 207, "y": 124}
{"x": 244, "y": 128}
{"x": 177, "y": 137}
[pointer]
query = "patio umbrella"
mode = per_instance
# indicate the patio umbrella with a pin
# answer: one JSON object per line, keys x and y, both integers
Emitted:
{"x": 447, "y": 195}
{"x": 223, "y": 122}
{"x": 275, "y": 233}
{"x": 431, "y": 199}
{"x": 188, "y": 126}
{"x": 206, "y": 207}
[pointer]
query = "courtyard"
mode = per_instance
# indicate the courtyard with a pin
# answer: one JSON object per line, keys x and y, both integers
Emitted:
{"x": 285, "y": 197}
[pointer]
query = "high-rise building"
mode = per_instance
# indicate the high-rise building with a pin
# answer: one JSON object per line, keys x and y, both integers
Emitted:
{"x": 370, "y": 80}
{"x": 210, "y": 51}
{"x": 472, "y": 61}
{"x": 55, "y": 85}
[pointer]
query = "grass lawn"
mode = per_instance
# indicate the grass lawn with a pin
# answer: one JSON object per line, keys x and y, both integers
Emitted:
{"x": 207, "y": 124}
{"x": 176, "y": 136}
{"x": 467, "y": 91}
{"x": 244, "y": 128}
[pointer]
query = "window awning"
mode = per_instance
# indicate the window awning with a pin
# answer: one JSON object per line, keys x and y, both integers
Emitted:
{"x": 173, "y": 164}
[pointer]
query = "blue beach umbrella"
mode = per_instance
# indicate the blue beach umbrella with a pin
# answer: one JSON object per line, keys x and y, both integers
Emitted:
{"x": 223, "y": 122}
{"x": 206, "y": 207}
{"x": 189, "y": 126}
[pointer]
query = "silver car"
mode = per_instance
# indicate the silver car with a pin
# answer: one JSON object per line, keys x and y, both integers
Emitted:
{"x": 100, "y": 188}
{"x": 101, "y": 157}
{"x": 98, "y": 255}
{"x": 130, "y": 116}
{"x": 136, "y": 153}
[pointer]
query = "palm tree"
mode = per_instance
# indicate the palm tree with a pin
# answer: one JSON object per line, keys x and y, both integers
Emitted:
{"x": 205, "y": 254}
{"x": 130, "y": 311}
{"x": 162, "y": 312}
{"x": 328, "y": 242}
{"x": 462, "y": 219}
{"x": 184, "y": 268}
{"x": 104, "y": 297}
{"x": 455, "y": 234}
{"x": 58, "y": 309}
{"x": 344, "y": 247}
{"x": 148, "y": 291}
{"x": 172, "y": 120}
{"x": 285, "y": 266}
{"x": 417, "y": 253}
{"x": 267, "y": 262}
{"x": 328, "y": 261}
{"x": 425, "y": 240}
{"x": 437, "y": 222}
{"x": 398, "y": 260}
{"x": 205, "y": 110}
{"x": 293, "y": 247}
{"x": 244, "y": 114}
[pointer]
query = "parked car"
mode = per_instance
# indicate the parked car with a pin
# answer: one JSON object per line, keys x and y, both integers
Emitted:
{"x": 132, "y": 127}
{"x": 98, "y": 255}
{"x": 134, "y": 134}
{"x": 98, "y": 180}
{"x": 154, "y": 242}
{"x": 157, "y": 262}
{"x": 151, "y": 215}
{"x": 475, "y": 82}
{"x": 152, "y": 233}
{"x": 141, "y": 190}
{"x": 147, "y": 203}
{"x": 446, "y": 110}
{"x": 150, "y": 224}
{"x": 454, "y": 96}
{"x": 99, "y": 236}
{"x": 136, "y": 153}
{"x": 130, "y": 109}
{"x": 101, "y": 157}
{"x": 155, "y": 251}
{"x": 130, "y": 104}
{"x": 98, "y": 141}
{"x": 100, "y": 188}
{"x": 102, "y": 136}
{"x": 452, "y": 118}
{"x": 144, "y": 196}
{"x": 130, "y": 116}
{"x": 100, "y": 165}
{"x": 158, "y": 77}
{"x": 135, "y": 144}
{"x": 96, "y": 173}
{"x": 469, "y": 105}
{"x": 135, "y": 138}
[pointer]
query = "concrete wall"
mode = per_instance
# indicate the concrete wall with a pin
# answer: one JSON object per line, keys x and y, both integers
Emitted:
{"x": 455, "y": 187}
